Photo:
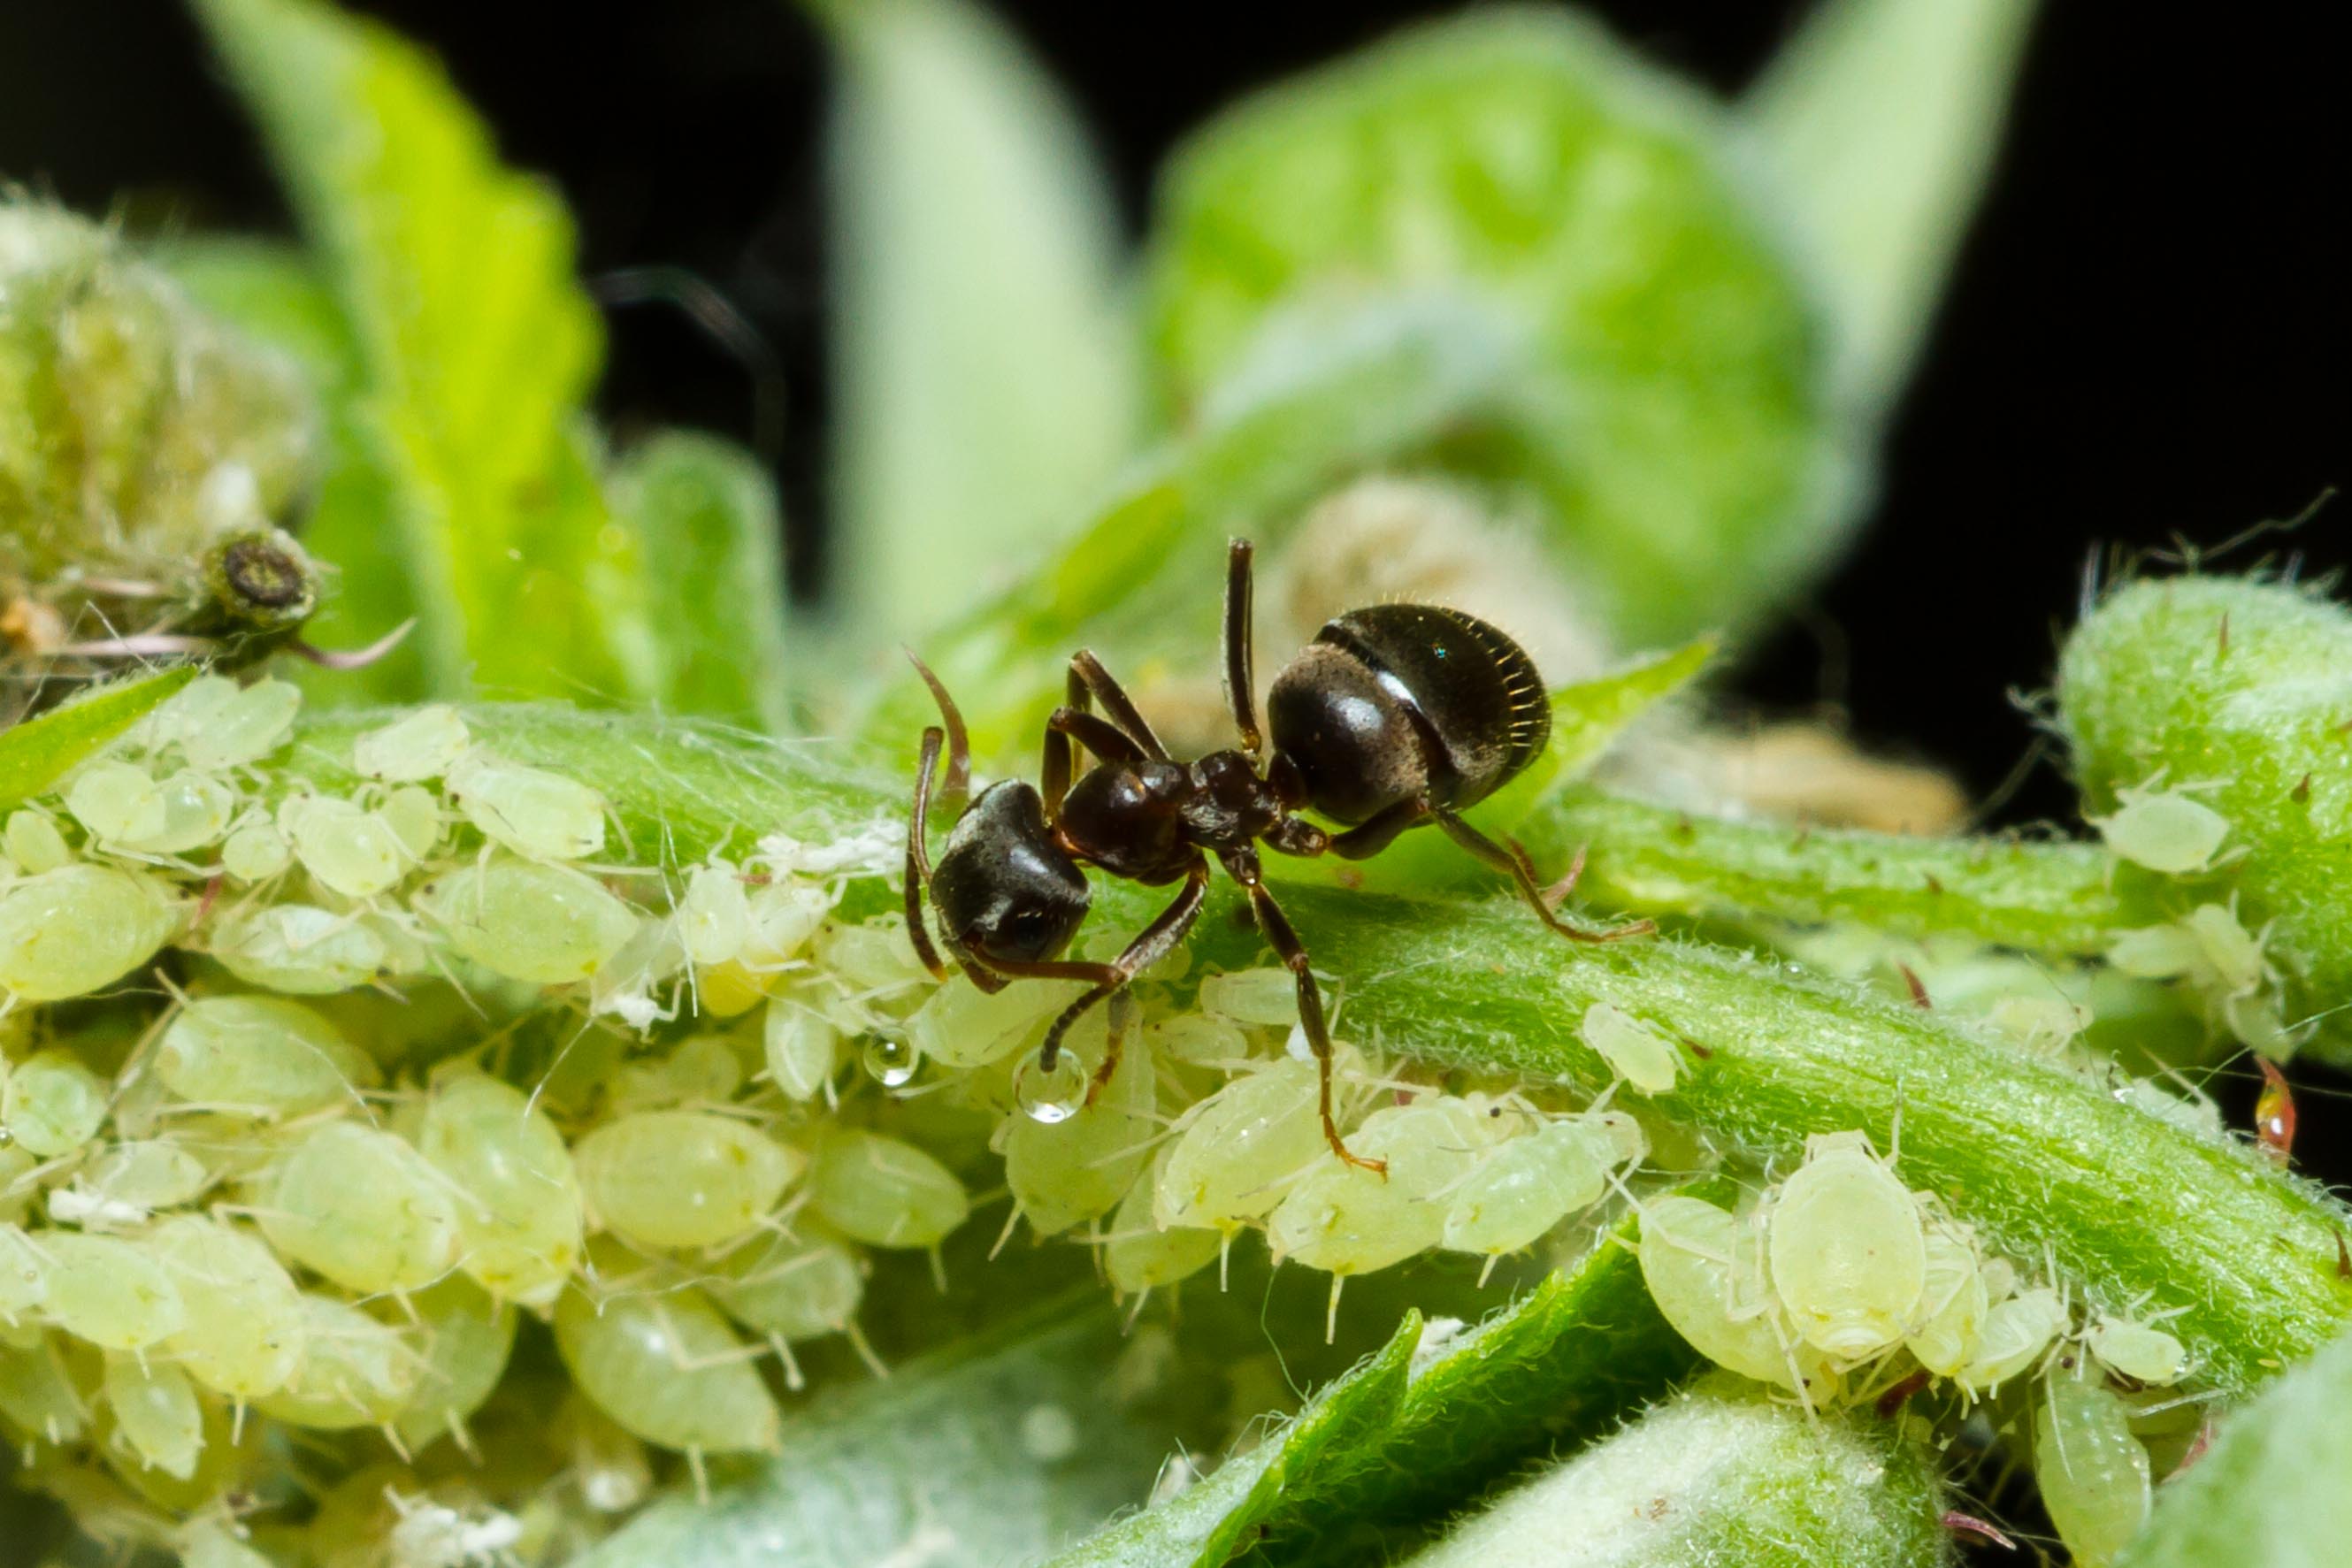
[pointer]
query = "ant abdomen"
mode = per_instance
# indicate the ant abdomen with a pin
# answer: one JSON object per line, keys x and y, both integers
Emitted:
{"x": 1395, "y": 702}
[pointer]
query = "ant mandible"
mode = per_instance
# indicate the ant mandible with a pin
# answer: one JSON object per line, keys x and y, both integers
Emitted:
{"x": 1396, "y": 715}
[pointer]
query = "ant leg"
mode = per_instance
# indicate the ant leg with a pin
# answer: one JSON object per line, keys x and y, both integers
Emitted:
{"x": 1097, "y": 735}
{"x": 957, "y": 786}
{"x": 1087, "y": 670}
{"x": 919, "y": 855}
{"x": 1279, "y": 935}
{"x": 1153, "y": 943}
{"x": 1368, "y": 837}
{"x": 1241, "y": 685}
{"x": 1511, "y": 860}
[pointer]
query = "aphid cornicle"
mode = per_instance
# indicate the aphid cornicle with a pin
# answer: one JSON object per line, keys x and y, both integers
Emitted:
{"x": 1396, "y": 715}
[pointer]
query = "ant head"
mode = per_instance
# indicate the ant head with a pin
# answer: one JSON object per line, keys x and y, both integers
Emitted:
{"x": 1006, "y": 889}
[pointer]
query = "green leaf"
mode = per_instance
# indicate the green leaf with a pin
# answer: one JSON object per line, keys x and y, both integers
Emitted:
{"x": 475, "y": 344}
{"x": 1719, "y": 1473}
{"x": 2271, "y": 1490}
{"x": 1880, "y": 121}
{"x": 1677, "y": 415}
{"x": 38, "y": 753}
{"x": 982, "y": 355}
{"x": 704, "y": 513}
{"x": 1429, "y": 1419}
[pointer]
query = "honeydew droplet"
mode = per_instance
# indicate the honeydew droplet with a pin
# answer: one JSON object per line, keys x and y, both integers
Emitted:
{"x": 884, "y": 1192}
{"x": 540, "y": 815}
{"x": 417, "y": 747}
{"x": 1062, "y": 1175}
{"x": 414, "y": 815}
{"x": 714, "y": 915}
{"x": 544, "y": 924}
{"x": 802, "y": 1047}
{"x": 1139, "y": 1254}
{"x": 243, "y": 1335}
{"x": 248, "y": 726}
{"x": 1848, "y": 1250}
{"x": 109, "y": 1291}
{"x": 1522, "y": 1188}
{"x": 2164, "y": 830}
{"x": 667, "y": 1367}
{"x": 263, "y": 1056}
{"x": 52, "y": 1104}
{"x": 354, "y": 1372}
{"x": 682, "y": 1178}
{"x": 115, "y": 801}
{"x": 157, "y": 1418}
{"x": 350, "y": 850}
{"x": 34, "y": 842}
{"x": 2016, "y": 1331}
{"x": 67, "y": 932}
{"x": 890, "y": 1061}
{"x": 518, "y": 1204}
{"x": 1634, "y": 1051}
{"x": 2092, "y": 1472}
{"x": 2138, "y": 1351}
{"x": 256, "y": 852}
{"x": 361, "y": 1207}
{"x": 37, "y": 1393}
{"x": 1237, "y": 1146}
{"x": 302, "y": 949}
{"x": 796, "y": 1287}
{"x": 1953, "y": 1304}
{"x": 1050, "y": 1096}
{"x": 464, "y": 1339}
{"x": 961, "y": 1026}
{"x": 1255, "y": 999}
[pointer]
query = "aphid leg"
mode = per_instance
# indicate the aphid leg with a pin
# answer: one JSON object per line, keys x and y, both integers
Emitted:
{"x": 1155, "y": 942}
{"x": 1241, "y": 686}
{"x": 919, "y": 855}
{"x": 1509, "y": 858}
{"x": 1275, "y": 927}
{"x": 1088, "y": 671}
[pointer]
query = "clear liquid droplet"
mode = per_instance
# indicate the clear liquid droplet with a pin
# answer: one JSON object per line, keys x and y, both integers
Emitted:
{"x": 1055, "y": 1096}
{"x": 891, "y": 1063}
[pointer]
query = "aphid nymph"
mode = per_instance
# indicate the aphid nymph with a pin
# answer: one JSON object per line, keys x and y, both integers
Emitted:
{"x": 1396, "y": 715}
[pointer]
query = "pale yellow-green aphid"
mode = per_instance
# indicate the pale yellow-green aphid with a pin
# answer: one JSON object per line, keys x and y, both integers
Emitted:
{"x": 186, "y": 713}
{"x": 714, "y": 914}
{"x": 960, "y": 1025}
{"x": 1848, "y": 1250}
{"x": 667, "y": 1366}
{"x": 1196, "y": 1037}
{"x": 246, "y": 726}
{"x": 538, "y": 814}
{"x": 157, "y": 1418}
{"x": 2092, "y": 1472}
{"x": 24, "y": 1278}
{"x": 802, "y": 1047}
{"x": 33, "y": 842}
{"x": 782, "y": 918}
{"x": 682, "y": 1178}
{"x": 412, "y": 749}
{"x": 1237, "y": 1146}
{"x": 883, "y": 1192}
{"x": 197, "y": 810}
{"x": 2233, "y": 954}
{"x": 2164, "y": 830}
{"x": 414, "y": 815}
{"x": 518, "y": 1199}
{"x": 266, "y": 1056}
{"x": 1953, "y": 1303}
{"x": 1065, "y": 1172}
{"x": 115, "y": 801}
{"x": 256, "y": 852}
{"x": 2016, "y": 1331}
{"x": 1706, "y": 1270}
{"x": 110, "y": 1292}
{"x": 2043, "y": 1025}
{"x": 1633, "y": 1051}
{"x": 794, "y": 1287}
{"x": 702, "y": 1070}
{"x": 354, "y": 1372}
{"x": 544, "y": 924}
{"x": 37, "y": 1393}
{"x": 464, "y": 1339}
{"x": 872, "y": 958}
{"x": 360, "y": 1206}
{"x": 1255, "y": 999}
{"x": 243, "y": 1333}
{"x": 2155, "y": 952}
{"x": 67, "y": 932}
{"x": 302, "y": 949}
{"x": 1138, "y": 1253}
{"x": 348, "y": 848}
{"x": 16, "y": 1163}
{"x": 1346, "y": 1219}
{"x": 1526, "y": 1185}
{"x": 608, "y": 1464}
{"x": 52, "y": 1104}
{"x": 2137, "y": 1350}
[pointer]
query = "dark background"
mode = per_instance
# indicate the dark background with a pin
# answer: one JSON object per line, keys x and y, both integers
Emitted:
{"x": 2148, "y": 335}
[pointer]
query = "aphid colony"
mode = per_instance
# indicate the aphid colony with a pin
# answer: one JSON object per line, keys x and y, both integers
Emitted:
{"x": 1841, "y": 1286}
{"x": 291, "y": 1138}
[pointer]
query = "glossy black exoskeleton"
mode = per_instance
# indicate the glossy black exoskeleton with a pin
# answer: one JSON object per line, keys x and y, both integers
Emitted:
{"x": 1396, "y": 715}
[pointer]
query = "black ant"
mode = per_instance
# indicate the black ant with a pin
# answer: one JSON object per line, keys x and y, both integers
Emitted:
{"x": 1396, "y": 715}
